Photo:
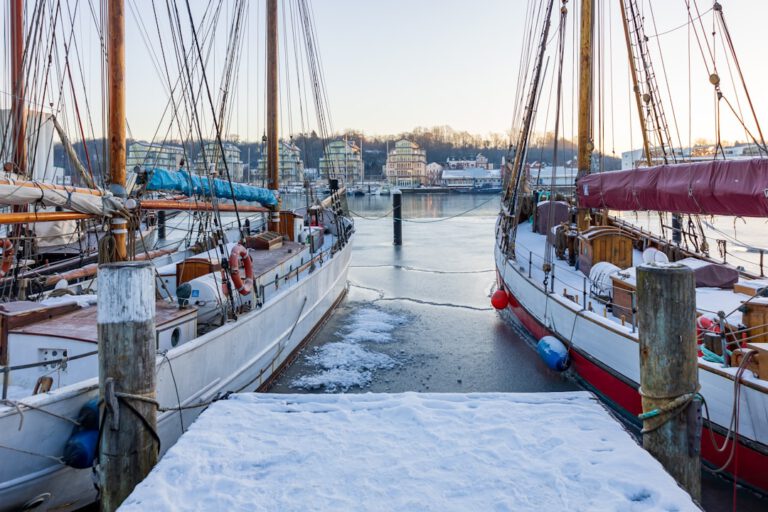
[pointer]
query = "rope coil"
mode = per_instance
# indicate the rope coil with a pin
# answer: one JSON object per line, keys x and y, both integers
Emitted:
{"x": 671, "y": 406}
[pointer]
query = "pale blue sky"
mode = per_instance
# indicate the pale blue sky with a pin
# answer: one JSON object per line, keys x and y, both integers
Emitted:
{"x": 392, "y": 65}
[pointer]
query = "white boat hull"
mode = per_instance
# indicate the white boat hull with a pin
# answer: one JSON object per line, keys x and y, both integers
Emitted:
{"x": 606, "y": 356}
{"x": 240, "y": 356}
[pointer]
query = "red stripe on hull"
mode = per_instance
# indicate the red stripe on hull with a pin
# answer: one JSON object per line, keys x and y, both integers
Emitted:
{"x": 752, "y": 463}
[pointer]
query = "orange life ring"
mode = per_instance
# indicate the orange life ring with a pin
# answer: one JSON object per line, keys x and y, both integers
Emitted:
{"x": 8, "y": 253}
{"x": 237, "y": 255}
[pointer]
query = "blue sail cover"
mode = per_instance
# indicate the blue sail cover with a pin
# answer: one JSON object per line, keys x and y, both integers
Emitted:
{"x": 183, "y": 182}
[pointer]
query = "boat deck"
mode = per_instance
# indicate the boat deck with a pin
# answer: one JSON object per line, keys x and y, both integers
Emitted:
{"x": 81, "y": 324}
{"x": 264, "y": 261}
{"x": 531, "y": 246}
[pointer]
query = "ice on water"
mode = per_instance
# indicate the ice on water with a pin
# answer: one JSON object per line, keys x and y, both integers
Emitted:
{"x": 343, "y": 366}
{"x": 346, "y": 364}
{"x": 404, "y": 452}
{"x": 372, "y": 324}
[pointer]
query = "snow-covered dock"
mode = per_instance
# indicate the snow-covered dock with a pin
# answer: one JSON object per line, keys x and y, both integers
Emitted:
{"x": 484, "y": 451}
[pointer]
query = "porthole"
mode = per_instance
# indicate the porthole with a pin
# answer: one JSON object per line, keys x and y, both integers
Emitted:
{"x": 175, "y": 337}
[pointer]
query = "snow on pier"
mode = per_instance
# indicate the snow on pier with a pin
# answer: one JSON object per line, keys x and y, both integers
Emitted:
{"x": 410, "y": 451}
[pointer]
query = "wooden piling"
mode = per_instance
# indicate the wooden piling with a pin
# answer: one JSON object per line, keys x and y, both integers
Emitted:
{"x": 126, "y": 327}
{"x": 397, "y": 216}
{"x": 669, "y": 370}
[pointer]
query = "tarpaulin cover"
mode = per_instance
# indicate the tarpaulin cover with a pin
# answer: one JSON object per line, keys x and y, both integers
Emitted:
{"x": 718, "y": 187}
{"x": 557, "y": 210}
{"x": 188, "y": 184}
{"x": 14, "y": 191}
{"x": 711, "y": 274}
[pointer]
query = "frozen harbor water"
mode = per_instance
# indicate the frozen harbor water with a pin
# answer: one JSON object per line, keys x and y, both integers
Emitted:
{"x": 409, "y": 451}
{"x": 418, "y": 317}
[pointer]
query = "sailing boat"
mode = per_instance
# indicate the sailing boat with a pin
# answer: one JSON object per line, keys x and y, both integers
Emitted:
{"x": 568, "y": 276}
{"x": 236, "y": 306}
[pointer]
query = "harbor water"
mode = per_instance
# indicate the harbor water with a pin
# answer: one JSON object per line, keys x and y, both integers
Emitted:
{"x": 418, "y": 317}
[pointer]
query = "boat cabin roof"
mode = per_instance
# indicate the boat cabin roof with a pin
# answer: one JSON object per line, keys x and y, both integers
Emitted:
{"x": 81, "y": 323}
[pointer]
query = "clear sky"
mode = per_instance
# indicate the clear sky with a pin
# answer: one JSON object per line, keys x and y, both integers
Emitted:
{"x": 392, "y": 65}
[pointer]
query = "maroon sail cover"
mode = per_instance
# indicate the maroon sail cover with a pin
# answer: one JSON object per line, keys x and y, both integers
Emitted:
{"x": 718, "y": 187}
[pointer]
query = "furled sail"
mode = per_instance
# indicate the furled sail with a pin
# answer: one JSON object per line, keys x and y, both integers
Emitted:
{"x": 188, "y": 184}
{"x": 92, "y": 201}
{"x": 715, "y": 187}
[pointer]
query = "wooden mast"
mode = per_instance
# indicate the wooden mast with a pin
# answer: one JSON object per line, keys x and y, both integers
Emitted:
{"x": 635, "y": 85}
{"x": 116, "y": 117}
{"x": 585, "y": 144}
{"x": 19, "y": 115}
{"x": 273, "y": 167}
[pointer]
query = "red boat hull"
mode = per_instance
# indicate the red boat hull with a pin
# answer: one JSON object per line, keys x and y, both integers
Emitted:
{"x": 750, "y": 463}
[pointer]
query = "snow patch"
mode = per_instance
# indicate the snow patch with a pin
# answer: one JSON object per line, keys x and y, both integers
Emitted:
{"x": 348, "y": 355}
{"x": 402, "y": 452}
{"x": 334, "y": 379}
{"x": 345, "y": 364}
{"x": 371, "y": 324}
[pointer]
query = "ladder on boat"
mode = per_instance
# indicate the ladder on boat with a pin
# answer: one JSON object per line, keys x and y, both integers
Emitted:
{"x": 656, "y": 125}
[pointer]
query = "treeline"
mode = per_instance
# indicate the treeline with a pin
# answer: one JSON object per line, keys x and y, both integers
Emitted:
{"x": 440, "y": 143}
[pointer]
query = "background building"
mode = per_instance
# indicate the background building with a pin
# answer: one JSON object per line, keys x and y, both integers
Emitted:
{"x": 406, "y": 165}
{"x": 471, "y": 179}
{"x": 703, "y": 152}
{"x": 434, "y": 173}
{"x": 342, "y": 158}
{"x": 212, "y": 153}
{"x": 39, "y": 143}
{"x": 149, "y": 155}
{"x": 479, "y": 162}
{"x": 560, "y": 179}
{"x": 290, "y": 166}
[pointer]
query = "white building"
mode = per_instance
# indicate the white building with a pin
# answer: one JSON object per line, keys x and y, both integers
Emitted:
{"x": 406, "y": 165}
{"x": 342, "y": 159}
{"x": 434, "y": 172}
{"x": 479, "y": 162}
{"x": 39, "y": 143}
{"x": 148, "y": 155}
{"x": 471, "y": 179}
{"x": 215, "y": 163}
{"x": 545, "y": 177}
{"x": 636, "y": 158}
{"x": 289, "y": 164}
